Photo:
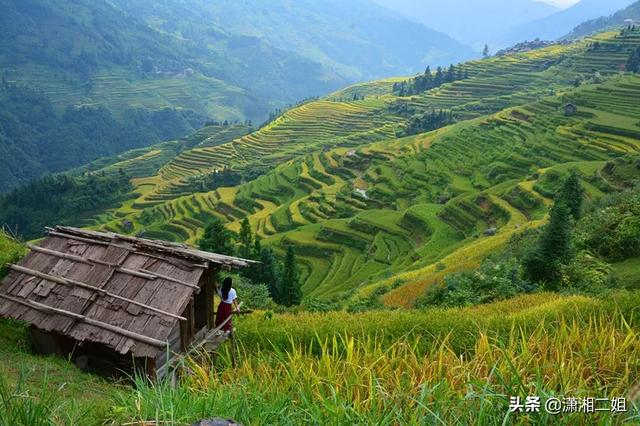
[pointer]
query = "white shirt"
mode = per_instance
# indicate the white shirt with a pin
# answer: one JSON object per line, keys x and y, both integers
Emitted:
{"x": 230, "y": 298}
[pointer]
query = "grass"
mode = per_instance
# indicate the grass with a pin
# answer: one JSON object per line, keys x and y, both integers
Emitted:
{"x": 36, "y": 390}
{"x": 10, "y": 251}
{"x": 454, "y": 366}
{"x": 628, "y": 273}
{"x": 584, "y": 348}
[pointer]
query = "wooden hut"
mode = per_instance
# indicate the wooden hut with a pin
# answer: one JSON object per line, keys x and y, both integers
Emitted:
{"x": 114, "y": 301}
{"x": 570, "y": 109}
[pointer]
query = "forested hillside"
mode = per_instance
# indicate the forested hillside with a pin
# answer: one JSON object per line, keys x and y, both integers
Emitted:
{"x": 558, "y": 24}
{"x": 356, "y": 39}
{"x": 365, "y": 207}
{"x": 106, "y": 76}
{"x": 81, "y": 52}
{"x": 35, "y": 139}
{"x": 607, "y": 22}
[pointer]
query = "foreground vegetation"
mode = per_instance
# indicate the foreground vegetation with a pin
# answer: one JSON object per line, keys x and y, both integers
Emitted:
{"x": 346, "y": 380}
{"x": 455, "y": 366}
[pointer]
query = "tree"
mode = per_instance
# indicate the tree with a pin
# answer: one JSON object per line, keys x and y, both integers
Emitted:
{"x": 217, "y": 238}
{"x": 246, "y": 239}
{"x": 451, "y": 74}
{"x": 439, "y": 78}
{"x": 633, "y": 64}
{"x": 485, "y": 51}
{"x": 268, "y": 273}
{"x": 554, "y": 248}
{"x": 257, "y": 248}
{"x": 572, "y": 194}
{"x": 290, "y": 293}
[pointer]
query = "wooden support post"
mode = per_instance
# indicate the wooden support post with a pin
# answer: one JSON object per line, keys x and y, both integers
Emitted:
{"x": 234, "y": 361}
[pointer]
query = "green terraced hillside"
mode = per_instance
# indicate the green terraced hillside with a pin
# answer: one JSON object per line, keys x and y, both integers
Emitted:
{"x": 366, "y": 209}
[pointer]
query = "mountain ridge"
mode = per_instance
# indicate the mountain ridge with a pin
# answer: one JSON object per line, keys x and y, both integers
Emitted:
{"x": 605, "y": 22}
{"x": 558, "y": 24}
{"x": 472, "y": 22}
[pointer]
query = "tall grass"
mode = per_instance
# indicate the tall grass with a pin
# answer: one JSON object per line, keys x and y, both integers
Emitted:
{"x": 462, "y": 325}
{"x": 347, "y": 380}
{"x": 23, "y": 404}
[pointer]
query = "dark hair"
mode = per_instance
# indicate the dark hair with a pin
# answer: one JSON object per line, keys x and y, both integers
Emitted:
{"x": 226, "y": 286}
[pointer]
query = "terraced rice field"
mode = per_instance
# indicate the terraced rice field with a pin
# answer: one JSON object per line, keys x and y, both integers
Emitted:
{"x": 365, "y": 209}
{"x": 119, "y": 90}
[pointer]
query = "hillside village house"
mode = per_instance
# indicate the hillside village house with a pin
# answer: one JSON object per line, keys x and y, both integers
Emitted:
{"x": 112, "y": 301}
{"x": 570, "y": 109}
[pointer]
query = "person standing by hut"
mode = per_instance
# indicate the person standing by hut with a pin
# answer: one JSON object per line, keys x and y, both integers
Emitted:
{"x": 229, "y": 300}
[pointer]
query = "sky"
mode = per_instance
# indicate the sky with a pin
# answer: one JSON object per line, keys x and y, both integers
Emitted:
{"x": 561, "y": 3}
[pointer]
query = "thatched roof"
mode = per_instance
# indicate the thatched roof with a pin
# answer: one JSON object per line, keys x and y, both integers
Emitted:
{"x": 127, "y": 293}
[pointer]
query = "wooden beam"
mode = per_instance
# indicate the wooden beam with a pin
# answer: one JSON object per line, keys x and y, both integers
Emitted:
{"x": 168, "y": 278}
{"x": 61, "y": 255}
{"x": 89, "y": 240}
{"x": 140, "y": 273}
{"x": 183, "y": 251}
{"x": 90, "y": 321}
{"x": 247, "y": 312}
{"x": 213, "y": 331}
{"x": 131, "y": 249}
{"x": 72, "y": 283}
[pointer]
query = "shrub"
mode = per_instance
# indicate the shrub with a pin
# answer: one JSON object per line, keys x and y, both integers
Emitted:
{"x": 254, "y": 296}
{"x": 586, "y": 274}
{"x": 611, "y": 229}
{"x": 493, "y": 281}
{"x": 317, "y": 305}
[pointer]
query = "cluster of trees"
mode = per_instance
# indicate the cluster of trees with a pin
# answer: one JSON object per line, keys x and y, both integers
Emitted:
{"x": 633, "y": 64}
{"x": 628, "y": 30}
{"x": 430, "y": 80}
{"x": 570, "y": 254}
{"x": 226, "y": 123}
{"x": 426, "y": 122}
{"x": 59, "y": 200}
{"x": 281, "y": 278}
{"x": 214, "y": 180}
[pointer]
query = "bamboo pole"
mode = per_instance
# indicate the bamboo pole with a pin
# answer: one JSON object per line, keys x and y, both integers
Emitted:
{"x": 74, "y": 283}
{"x": 90, "y": 321}
{"x": 140, "y": 273}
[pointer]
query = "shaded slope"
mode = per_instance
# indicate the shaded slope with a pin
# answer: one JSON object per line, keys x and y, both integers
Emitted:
{"x": 357, "y": 39}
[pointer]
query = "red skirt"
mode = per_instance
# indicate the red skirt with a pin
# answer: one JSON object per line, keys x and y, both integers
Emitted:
{"x": 224, "y": 312}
